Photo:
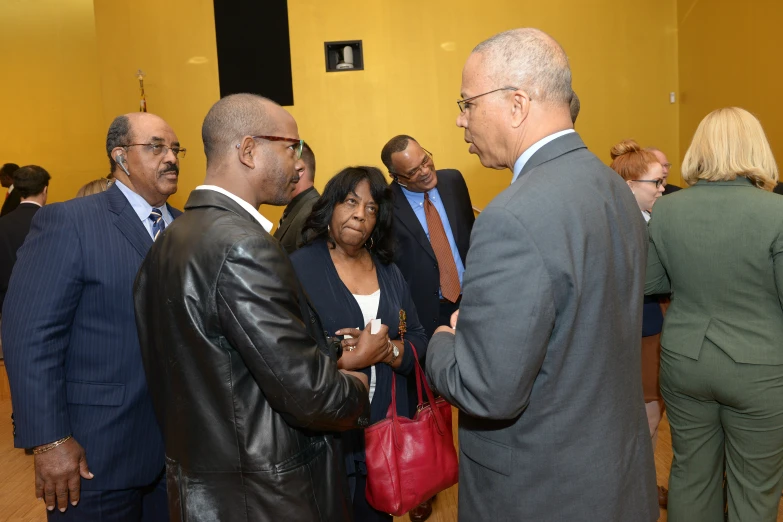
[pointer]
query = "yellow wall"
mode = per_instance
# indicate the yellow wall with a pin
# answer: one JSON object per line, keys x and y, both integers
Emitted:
{"x": 173, "y": 42}
{"x": 730, "y": 56}
{"x": 624, "y": 63}
{"x": 50, "y": 91}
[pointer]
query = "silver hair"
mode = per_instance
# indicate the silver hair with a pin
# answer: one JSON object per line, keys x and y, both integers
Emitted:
{"x": 531, "y": 60}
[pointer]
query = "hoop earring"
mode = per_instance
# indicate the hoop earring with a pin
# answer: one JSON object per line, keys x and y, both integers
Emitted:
{"x": 372, "y": 243}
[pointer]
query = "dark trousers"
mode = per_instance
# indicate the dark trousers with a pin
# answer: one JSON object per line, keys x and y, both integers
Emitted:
{"x": 148, "y": 504}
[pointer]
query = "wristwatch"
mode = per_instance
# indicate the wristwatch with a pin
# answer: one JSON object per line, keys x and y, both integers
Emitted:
{"x": 395, "y": 353}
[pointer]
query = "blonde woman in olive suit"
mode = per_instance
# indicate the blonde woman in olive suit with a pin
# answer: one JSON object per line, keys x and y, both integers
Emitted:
{"x": 718, "y": 247}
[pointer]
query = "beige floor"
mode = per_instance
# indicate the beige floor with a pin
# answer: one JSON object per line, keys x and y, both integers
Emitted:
{"x": 18, "y": 503}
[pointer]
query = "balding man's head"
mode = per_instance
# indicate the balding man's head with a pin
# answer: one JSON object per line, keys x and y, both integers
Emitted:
{"x": 531, "y": 60}
{"x": 516, "y": 90}
{"x": 237, "y": 116}
{"x": 253, "y": 149}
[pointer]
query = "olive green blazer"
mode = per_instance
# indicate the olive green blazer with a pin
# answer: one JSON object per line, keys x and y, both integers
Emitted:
{"x": 718, "y": 248}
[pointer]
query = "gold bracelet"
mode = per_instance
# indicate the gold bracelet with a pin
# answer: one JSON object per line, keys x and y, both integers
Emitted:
{"x": 50, "y": 446}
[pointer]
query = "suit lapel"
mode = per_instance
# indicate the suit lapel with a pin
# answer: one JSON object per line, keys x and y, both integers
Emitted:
{"x": 554, "y": 149}
{"x": 406, "y": 216}
{"x": 127, "y": 221}
{"x": 450, "y": 204}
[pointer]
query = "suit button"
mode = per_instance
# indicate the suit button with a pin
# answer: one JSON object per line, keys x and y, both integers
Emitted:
{"x": 435, "y": 293}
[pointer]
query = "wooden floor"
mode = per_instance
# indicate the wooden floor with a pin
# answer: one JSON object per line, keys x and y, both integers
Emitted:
{"x": 18, "y": 503}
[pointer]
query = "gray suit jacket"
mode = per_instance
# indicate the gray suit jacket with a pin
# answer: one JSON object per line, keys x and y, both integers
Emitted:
{"x": 289, "y": 233}
{"x": 545, "y": 365}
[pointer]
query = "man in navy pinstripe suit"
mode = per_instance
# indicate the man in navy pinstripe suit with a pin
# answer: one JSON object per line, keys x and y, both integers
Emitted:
{"x": 72, "y": 352}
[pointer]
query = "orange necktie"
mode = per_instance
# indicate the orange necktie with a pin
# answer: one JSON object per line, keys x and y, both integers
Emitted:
{"x": 449, "y": 279}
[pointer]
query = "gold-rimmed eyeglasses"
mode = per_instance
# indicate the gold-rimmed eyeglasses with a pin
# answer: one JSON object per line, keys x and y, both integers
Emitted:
{"x": 464, "y": 104}
{"x": 415, "y": 172}
{"x": 158, "y": 148}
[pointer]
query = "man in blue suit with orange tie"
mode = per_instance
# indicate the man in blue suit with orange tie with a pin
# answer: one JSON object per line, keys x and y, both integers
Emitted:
{"x": 72, "y": 353}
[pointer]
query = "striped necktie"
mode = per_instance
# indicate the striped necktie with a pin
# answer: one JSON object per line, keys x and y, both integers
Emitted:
{"x": 158, "y": 224}
{"x": 449, "y": 278}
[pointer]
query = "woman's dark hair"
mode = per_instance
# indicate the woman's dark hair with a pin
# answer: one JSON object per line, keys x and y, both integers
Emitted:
{"x": 381, "y": 241}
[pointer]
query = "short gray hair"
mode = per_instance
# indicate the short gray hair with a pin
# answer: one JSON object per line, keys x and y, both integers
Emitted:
{"x": 232, "y": 118}
{"x": 531, "y": 60}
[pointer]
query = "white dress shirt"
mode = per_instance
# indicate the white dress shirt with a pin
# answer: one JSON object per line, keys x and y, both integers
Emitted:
{"x": 143, "y": 209}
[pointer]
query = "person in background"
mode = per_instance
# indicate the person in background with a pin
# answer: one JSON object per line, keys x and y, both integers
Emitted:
{"x": 245, "y": 386}
{"x": 78, "y": 387}
{"x": 433, "y": 219}
{"x": 718, "y": 249}
{"x": 544, "y": 362}
{"x": 643, "y": 173}
{"x": 32, "y": 184}
{"x": 94, "y": 187}
{"x": 7, "y": 181}
{"x": 575, "y": 107}
{"x": 346, "y": 268}
{"x": 289, "y": 230}
{"x": 664, "y": 161}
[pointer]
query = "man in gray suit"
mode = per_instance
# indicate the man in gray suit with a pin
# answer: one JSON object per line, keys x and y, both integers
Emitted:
{"x": 545, "y": 362}
{"x": 289, "y": 230}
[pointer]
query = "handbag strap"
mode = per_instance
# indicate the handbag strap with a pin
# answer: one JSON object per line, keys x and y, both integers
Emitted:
{"x": 422, "y": 379}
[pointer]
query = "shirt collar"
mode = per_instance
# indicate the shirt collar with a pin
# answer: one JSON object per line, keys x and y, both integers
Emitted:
{"x": 242, "y": 203}
{"x": 523, "y": 159}
{"x": 139, "y": 204}
{"x": 419, "y": 196}
{"x": 30, "y": 202}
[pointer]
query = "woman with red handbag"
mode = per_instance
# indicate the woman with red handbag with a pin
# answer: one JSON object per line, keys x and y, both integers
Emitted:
{"x": 346, "y": 269}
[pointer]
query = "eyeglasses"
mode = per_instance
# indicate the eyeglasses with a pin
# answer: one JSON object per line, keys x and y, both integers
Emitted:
{"x": 415, "y": 172}
{"x": 658, "y": 182}
{"x": 463, "y": 104}
{"x": 158, "y": 149}
{"x": 297, "y": 146}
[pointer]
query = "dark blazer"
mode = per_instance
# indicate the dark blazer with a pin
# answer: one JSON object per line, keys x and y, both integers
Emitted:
{"x": 289, "y": 233}
{"x": 70, "y": 342}
{"x": 545, "y": 363}
{"x": 243, "y": 381}
{"x": 670, "y": 189}
{"x": 339, "y": 309}
{"x": 414, "y": 255}
{"x": 11, "y": 202}
{"x": 778, "y": 188}
{"x": 724, "y": 270}
{"x": 13, "y": 229}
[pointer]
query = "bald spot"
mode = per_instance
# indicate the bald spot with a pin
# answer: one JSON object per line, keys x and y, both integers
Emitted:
{"x": 237, "y": 116}
{"x": 531, "y": 60}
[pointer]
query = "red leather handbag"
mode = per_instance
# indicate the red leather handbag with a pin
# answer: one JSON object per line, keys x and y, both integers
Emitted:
{"x": 410, "y": 460}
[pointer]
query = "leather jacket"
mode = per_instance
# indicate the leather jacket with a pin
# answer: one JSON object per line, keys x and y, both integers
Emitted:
{"x": 244, "y": 383}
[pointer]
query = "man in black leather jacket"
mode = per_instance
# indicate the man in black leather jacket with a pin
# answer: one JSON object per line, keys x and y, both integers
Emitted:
{"x": 244, "y": 383}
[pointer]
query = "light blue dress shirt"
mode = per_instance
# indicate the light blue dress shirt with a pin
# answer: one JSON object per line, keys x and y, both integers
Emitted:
{"x": 520, "y": 163}
{"x": 143, "y": 209}
{"x": 416, "y": 199}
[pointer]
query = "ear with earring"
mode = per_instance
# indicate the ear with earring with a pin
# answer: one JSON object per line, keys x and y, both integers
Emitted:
{"x": 372, "y": 243}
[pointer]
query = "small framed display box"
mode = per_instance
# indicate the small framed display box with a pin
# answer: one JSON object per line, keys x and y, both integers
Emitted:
{"x": 344, "y": 56}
